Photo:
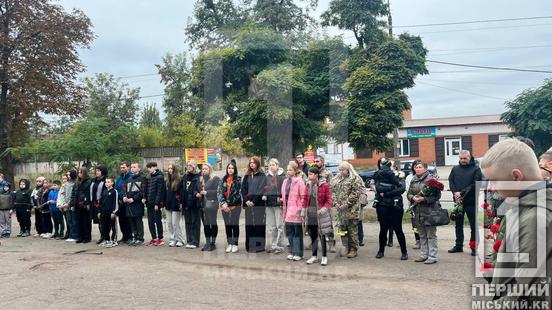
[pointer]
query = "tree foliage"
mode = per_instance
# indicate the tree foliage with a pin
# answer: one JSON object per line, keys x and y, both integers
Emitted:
{"x": 530, "y": 116}
{"x": 108, "y": 97}
{"x": 150, "y": 117}
{"x": 39, "y": 64}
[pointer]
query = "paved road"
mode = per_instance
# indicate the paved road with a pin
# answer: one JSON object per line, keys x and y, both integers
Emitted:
{"x": 50, "y": 274}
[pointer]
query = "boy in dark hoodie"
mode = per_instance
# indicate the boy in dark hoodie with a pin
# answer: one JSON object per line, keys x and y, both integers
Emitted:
{"x": 109, "y": 206}
{"x": 23, "y": 206}
{"x": 6, "y": 210}
{"x": 134, "y": 200}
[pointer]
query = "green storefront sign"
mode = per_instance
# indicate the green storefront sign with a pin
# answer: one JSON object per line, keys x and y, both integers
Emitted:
{"x": 421, "y": 132}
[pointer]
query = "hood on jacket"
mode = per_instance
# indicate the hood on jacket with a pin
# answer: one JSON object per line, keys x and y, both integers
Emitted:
{"x": 4, "y": 185}
{"x": 27, "y": 184}
{"x": 279, "y": 172}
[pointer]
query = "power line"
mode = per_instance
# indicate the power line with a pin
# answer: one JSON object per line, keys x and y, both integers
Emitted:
{"x": 487, "y": 67}
{"x": 461, "y": 91}
{"x": 474, "y": 22}
{"x": 136, "y": 76}
{"x": 485, "y": 50}
{"x": 478, "y": 82}
{"x": 484, "y": 28}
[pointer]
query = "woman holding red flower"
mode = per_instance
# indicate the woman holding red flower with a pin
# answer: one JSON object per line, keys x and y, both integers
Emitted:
{"x": 424, "y": 193}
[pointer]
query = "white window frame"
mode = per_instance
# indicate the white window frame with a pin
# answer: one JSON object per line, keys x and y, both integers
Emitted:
{"x": 401, "y": 154}
{"x": 503, "y": 138}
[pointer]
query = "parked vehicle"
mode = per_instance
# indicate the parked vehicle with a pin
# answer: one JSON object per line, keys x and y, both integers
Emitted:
{"x": 406, "y": 167}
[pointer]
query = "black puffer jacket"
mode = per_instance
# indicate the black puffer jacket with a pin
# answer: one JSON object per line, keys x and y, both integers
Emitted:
{"x": 189, "y": 190}
{"x": 80, "y": 196}
{"x": 156, "y": 190}
{"x": 388, "y": 184}
{"x": 274, "y": 188}
{"x": 135, "y": 190}
{"x": 23, "y": 197}
{"x": 253, "y": 189}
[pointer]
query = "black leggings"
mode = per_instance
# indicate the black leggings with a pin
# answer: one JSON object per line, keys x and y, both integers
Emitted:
{"x": 232, "y": 225}
{"x": 209, "y": 219}
{"x": 390, "y": 218}
{"x": 313, "y": 233}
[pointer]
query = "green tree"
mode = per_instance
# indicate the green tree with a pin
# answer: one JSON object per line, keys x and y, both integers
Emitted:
{"x": 151, "y": 137}
{"x": 39, "y": 64}
{"x": 108, "y": 97}
{"x": 362, "y": 17}
{"x": 150, "y": 117}
{"x": 182, "y": 131}
{"x": 530, "y": 115}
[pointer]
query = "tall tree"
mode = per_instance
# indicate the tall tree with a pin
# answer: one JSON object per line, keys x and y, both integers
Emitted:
{"x": 150, "y": 117}
{"x": 530, "y": 116}
{"x": 107, "y": 96}
{"x": 359, "y": 16}
{"x": 39, "y": 64}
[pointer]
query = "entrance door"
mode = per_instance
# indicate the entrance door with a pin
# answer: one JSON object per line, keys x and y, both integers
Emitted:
{"x": 452, "y": 150}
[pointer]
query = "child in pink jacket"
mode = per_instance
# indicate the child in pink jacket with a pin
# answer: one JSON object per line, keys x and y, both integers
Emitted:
{"x": 293, "y": 198}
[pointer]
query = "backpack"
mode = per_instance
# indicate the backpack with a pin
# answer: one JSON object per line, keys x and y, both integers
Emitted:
{"x": 363, "y": 198}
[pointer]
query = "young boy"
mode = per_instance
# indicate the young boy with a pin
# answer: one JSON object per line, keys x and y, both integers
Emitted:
{"x": 55, "y": 212}
{"x": 23, "y": 206}
{"x": 154, "y": 203}
{"x": 109, "y": 205}
{"x": 44, "y": 209}
{"x": 6, "y": 210}
{"x": 134, "y": 200}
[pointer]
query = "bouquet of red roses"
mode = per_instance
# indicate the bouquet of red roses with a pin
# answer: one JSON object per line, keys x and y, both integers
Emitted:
{"x": 432, "y": 188}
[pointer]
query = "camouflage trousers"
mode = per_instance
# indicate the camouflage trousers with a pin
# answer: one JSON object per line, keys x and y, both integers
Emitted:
{"x": 350, "y": 240}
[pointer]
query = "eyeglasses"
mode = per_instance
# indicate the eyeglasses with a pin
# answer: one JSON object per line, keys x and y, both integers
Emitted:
{"x": 546, "y": 169}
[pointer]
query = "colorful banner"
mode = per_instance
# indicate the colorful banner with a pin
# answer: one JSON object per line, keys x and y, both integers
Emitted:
{"x": 199, "y": 155}
{"x": 422, "y": 132}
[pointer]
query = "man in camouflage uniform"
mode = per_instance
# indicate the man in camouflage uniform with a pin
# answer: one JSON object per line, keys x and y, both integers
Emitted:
{"x": 345, "y": 194}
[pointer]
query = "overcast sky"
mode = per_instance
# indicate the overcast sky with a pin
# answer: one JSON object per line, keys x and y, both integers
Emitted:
{"x": 133, "y": 36}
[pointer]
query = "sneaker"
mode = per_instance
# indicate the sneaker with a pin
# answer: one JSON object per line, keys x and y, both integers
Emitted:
{"x": 297, "y": 258}
{"x": 179, "y": 244}
{"x": 228, "y": 248}
{"x": 152, "y": 242}
{"x": 234, "y": 249}
{"x": 312, "y": 260}
{"x": 47, "y": 236}
{"x": 416, "y": 246}
{"x": 188, "y": 246}
{"x": 324, "y": 261}
{"x": 206, "y": 247}
{"x": 26, "y": 234}
{"x": 138, "y": 243}
{"x": 103, "y": 243}
{"x": 70, "y": 240}
{"x": 108, "y": 244}
{"x": 114, "y": 243}
{"x": 131, "y": 242}
{"x": 20, "y": 234}
{"x": 172, "y": 244}
{"x": 390, "y": 244}
{"x": 420, "y": 259}
{"x": 290, "y": 257}
{"x": 278, "y": 251}
{"x": 192, "y": 246}
{"x": 37, "y": 235}
{"x": 100, "y": 241}
{"x": 79, "y": 241}
{"x": 430, "y": 262}
{"x": 352, "y": 254}
{"x": 160, "y": 242}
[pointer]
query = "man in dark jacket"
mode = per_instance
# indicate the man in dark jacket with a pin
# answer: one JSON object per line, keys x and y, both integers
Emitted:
{"x": 120, "y": 186}
{"x": 154, "y": 203}
{"x": 134, "y": 200}
{"x": 300, "y": 158}
{"x": 462, "y": 181}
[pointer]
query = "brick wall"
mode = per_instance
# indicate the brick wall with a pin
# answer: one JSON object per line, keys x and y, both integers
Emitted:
{"x": 480, "y": 145}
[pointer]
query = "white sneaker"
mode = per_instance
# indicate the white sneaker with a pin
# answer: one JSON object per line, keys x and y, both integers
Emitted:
{"x": 47, "y": 236}
{"x": 290, "y": 257}
{"x": 108, "y": 244}
{"x": 104, "y": 243}
{"x": 234, "y": 249}
{"x": 324, "y": 261}
{"x": 70, "y": 240}
{"x": 188, "y": 246}
{"x": 114, "y": 243}
{"x": 172, "y": 243}
{"x": 297, "y": 258}
{"x": 179, "y": 244}
{"x": 229, "y": 248}
{"x": 312, "y": 260}
{"x": 37, "y": 235}
{"x": 192, "y": 246}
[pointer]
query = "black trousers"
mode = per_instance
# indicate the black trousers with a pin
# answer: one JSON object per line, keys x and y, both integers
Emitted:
{"x": 193, "y": 225}
{"x": 232, "y": 225}
{"x": 124, "y": 223}
{"x": 85, "y": 224}
{"x": 155, "y": 224}
{"x": 255, "y": 229}
{"x": 67, "y": 216}
{"x": 59, "y": 224}
{"x": 24, "y": 219}
{"x": 38, "y": 222}
{"x": 45, "y": 225}
{"x": 109, "y": 227}
{"x": 313, "y": 233}
{"x": 137, "y": 227}
{"x": 390, "y": 218}
{"x": 209, "y": 219}
{"x": 469, "y": 210}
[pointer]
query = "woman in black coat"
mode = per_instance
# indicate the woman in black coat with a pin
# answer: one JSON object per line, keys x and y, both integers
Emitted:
{"x": 81, "y": 205}
{"x": 230, "y": 202}
{"x": 253, "y": 193}
{"x": 207, "y": 192}
{"x": 190, "y": 206}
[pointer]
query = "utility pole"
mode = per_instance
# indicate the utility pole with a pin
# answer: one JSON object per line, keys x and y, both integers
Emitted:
{"x": 396, "y": 150}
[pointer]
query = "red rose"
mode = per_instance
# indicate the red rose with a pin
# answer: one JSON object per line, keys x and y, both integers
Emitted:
{"x": 486, "y": 226}
{"x": 473, "y": 244}
{"x": 435, "y": 184}
{"x": 249, "y": 196}
{"x": 266, "y": 187}
{"x": 486, "y": 267}
{"x": 490, "y": 214}
{"x": 453, "y": 217}
{"x": 484, "y": 206}
{"x": 496, "y": 245}
{"x": 494, "y": 228}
